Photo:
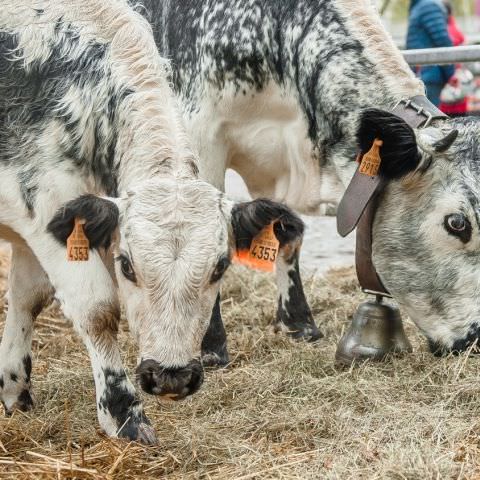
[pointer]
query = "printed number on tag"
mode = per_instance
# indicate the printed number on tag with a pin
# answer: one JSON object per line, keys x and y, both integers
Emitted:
{"x": 262, "y": 253}
{"x": 78, "y": 254}
{"x": 371, "y": 161}
{"x": 78, "y": 244}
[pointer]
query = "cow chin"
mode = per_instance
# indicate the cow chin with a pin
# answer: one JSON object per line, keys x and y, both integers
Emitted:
{"x": 169, "y": 383}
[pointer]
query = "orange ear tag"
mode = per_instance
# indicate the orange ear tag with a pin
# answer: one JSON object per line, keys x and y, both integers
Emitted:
{"x": 77, "y": 243}
{"x": 371, "y": 161}
{"x": 263, "y": 251}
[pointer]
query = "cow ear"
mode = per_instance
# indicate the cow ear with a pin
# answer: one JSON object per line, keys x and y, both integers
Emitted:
{"x": 399, "y": 152}
{"x": 101, "y": 220}
{"x": 250, "y": 218}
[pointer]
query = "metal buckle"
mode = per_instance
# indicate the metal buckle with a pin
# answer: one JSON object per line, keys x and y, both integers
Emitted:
{"x": 420, "y": 111}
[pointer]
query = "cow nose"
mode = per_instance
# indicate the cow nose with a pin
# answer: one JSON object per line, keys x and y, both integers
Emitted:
{"x": 172, "y": 383}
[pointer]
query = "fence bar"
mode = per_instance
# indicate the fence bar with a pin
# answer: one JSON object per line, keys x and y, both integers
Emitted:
{"x": 442, "y": 56}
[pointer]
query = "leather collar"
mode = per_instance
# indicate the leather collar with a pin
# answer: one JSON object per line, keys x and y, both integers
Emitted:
{"x": 358, "y": 205}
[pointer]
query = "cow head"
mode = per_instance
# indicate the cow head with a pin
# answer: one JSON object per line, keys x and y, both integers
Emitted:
{"x": 426, "y": 233}
{"x": 172, "y": 240}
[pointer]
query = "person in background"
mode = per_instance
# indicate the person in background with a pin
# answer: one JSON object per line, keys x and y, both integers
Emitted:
{"x": 456, "y": 35}
{"x": 453, "y": 98}
{"x": 427, "y": 28}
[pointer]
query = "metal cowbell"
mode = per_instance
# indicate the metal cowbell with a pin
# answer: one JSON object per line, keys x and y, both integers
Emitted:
{"x": 376, "y": 331}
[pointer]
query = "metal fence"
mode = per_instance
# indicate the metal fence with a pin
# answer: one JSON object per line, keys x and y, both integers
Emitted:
{"x": 442, "y": 56}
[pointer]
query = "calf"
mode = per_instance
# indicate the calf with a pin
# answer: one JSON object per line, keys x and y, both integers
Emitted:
{"x": 278, "y": 91}
{"x": 90, "y": 130}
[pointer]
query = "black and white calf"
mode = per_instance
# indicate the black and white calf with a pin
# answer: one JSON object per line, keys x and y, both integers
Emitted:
{"x": 275, "y": 89}
{"x": 90, "y": 129}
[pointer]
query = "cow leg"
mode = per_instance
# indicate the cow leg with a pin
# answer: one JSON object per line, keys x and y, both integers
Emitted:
{"x": 293, "y": 315}
{"x": 214, "y": 344}
{"x": 88, "y": 297}
{"x": 29, "y": 291}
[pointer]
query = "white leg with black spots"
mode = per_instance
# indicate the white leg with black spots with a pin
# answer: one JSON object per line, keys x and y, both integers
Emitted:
{"x": 29, "y": 291}
{"x": 88, "y": 297}
{"x": 294, "y": 316}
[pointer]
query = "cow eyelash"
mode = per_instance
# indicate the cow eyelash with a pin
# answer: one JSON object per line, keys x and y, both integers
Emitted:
{"x": 220, "y": 269}
{"x": 126, "y": 268}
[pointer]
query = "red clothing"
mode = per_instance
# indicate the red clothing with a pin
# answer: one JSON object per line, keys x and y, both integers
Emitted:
{"x": 459, "y": 108}
{"x": 454, "y": 32}
{"x": 457, "y": 37}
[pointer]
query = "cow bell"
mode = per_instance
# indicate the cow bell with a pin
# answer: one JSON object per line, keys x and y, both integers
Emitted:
{"x": 376, "y": 331}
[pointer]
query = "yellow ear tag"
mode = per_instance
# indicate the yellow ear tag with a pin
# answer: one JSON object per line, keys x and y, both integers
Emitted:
{"x": 263, "y": 251}
{"x": 77, "y": 243}
{"x": 371, "y": 161}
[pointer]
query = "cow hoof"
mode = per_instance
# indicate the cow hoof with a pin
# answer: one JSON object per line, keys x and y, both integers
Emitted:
{"x": 215, "y": 360}
{"x": 24, "y": 403}
{"x": 307, "y": 332}
{"x": 141, "y": 432}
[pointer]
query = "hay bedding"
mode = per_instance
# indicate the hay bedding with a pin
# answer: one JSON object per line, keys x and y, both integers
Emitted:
{"x": 280, "y": 411}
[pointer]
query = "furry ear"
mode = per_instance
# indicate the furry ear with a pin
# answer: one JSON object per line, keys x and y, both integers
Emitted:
{"x": 101, "y": 217}
{"x": 249, "y": 218}
{"x": 399, "y": 152}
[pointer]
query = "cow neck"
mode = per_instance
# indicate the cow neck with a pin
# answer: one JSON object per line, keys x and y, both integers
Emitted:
{"x": 361, "y": 197}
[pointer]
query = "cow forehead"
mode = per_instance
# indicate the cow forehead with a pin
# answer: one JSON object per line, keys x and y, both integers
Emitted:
{"x": 172, "y": 204}
{"x": 172, "y": 220}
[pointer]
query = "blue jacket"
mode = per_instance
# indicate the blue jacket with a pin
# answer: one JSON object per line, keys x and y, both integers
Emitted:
{"x": 427, "y": 28}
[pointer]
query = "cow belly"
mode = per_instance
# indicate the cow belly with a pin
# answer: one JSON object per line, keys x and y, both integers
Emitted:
{"x": 264, "y": 138}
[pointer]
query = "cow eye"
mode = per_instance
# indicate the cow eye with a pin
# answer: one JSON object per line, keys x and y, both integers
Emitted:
{"x": 220, "y": 269}
{"x": 459, "y": 226}
{"x": 126, "y": 268}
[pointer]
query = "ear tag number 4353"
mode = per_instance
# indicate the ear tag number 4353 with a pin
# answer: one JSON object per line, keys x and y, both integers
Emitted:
{"x": 263, "y": 251}
{"x": 77, "y": 243}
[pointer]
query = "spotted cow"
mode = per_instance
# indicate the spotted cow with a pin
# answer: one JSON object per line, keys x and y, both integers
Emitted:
{"x": 285, "y": 92}
{"x": 90, "y": 130}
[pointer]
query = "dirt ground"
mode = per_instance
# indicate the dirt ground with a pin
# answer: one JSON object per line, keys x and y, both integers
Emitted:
{"x": 280, "y": 411}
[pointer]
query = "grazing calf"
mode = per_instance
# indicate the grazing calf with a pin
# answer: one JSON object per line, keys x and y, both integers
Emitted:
{"x": 277, "y": 90}
{"x": 89, "y": 129}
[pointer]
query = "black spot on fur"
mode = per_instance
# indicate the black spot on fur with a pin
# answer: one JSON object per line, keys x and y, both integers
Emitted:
{"x": 27, "y": 180}
{"x": 194, "y": 168}
{"x": 214, "y": 344}
{"x": 117, "y": 400}
{"x": 123, "y": 406}
{"x": 101, "y": 220}
{"x": 14, "y": 377}
{"x": 399, "y": 151}
{"x": 27, "y": 365}
{"x": 249, "y": 218}
{"x": 25, "y": 402}
{"x": 1, "y": 382}
{"x": 38, "y": 307}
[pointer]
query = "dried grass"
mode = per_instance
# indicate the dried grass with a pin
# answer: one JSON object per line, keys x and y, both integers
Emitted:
{"x": 280, "y": 411}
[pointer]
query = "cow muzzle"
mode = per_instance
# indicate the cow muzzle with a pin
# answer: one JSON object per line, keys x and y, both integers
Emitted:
{"x": 170, "y": 383}
{"x": 470, "y": 343}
